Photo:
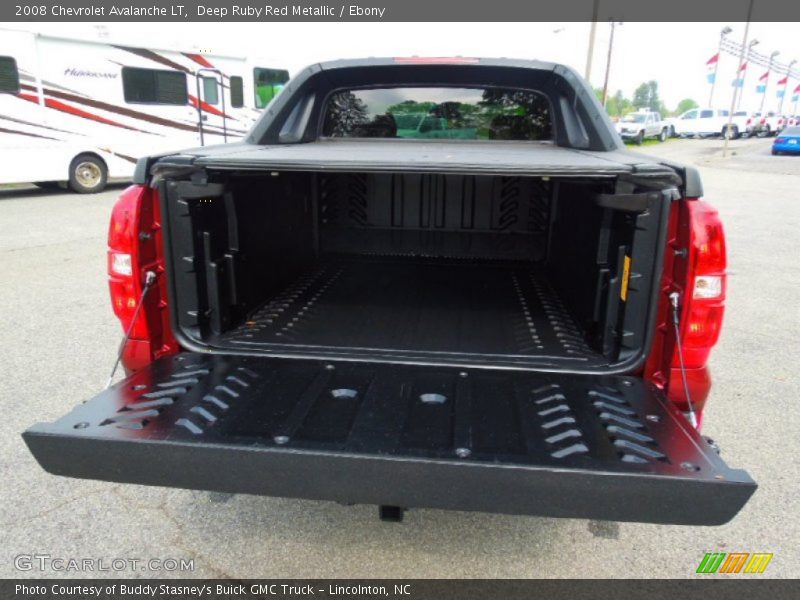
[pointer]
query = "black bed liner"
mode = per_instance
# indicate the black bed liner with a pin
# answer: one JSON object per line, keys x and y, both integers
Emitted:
{"x": 607, "y": 447}
{"x": 439, "y": 311}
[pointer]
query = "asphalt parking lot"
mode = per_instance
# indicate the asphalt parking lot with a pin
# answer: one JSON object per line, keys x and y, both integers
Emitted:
{"x": 59, "y": 337}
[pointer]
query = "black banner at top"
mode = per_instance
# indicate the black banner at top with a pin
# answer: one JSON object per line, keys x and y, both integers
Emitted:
{"x": 397, "y": 10}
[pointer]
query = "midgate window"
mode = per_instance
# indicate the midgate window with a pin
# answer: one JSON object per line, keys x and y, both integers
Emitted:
{"x": 439, "y": 113}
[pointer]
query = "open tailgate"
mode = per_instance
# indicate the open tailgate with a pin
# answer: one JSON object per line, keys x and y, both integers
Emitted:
{"x": 600, "y": 447}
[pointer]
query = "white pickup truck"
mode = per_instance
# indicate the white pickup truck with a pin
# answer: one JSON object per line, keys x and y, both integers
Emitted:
{"x": 769, "y": 124}
{"x": 642, "y": 124}
{"x": 706, "y": 122}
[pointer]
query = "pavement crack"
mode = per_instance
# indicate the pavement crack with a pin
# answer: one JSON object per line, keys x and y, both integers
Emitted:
{"x": 48, "y": 511}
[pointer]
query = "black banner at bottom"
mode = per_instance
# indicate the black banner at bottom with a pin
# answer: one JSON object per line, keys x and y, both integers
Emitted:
{"x": 269, "y": 589}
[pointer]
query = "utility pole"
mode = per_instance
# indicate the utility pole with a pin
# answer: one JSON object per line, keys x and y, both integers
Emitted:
{"x": 786, "y": 85}
{"x": 725, "y": 31}
{"x": 608, "y": 60}
{"x": 727, "y": 132}
{"x": 766, "y": 83}
{"x": 592, "y": 31}
{"x": 744, "y": 73}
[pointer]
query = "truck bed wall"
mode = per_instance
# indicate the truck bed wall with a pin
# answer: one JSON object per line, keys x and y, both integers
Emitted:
{"x": 251, "y": 235}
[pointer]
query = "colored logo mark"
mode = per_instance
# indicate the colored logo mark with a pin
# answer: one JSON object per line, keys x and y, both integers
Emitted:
{"x": 734, "y": 562}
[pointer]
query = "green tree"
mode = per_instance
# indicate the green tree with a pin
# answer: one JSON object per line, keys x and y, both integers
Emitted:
{"x": 646, "y": 97}
{"x": 684, "y": 105}
{"x": 617, "y": 104}
{"x": 345, "y": 113}
{"x": 622, "y": 105}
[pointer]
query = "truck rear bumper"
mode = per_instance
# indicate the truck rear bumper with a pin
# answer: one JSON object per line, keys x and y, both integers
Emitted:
{"x": 486, "y": 440}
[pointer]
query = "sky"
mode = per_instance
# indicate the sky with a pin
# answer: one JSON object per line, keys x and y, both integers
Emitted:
{"x": 674, "y": 54}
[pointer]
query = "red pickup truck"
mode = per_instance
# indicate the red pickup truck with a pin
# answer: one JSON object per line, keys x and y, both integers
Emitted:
{"x": 417, "y": 283}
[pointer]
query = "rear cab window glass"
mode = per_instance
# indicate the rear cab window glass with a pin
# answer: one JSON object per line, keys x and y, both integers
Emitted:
{"x": 9, "y": 75}
{"x": 438, "y": 113}
{"x": 268, "y": 82}
{"x": 152, "y": 86}
{"x": 237, "y": 91}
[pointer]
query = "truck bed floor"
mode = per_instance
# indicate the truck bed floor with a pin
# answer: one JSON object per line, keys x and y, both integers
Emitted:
{"x": 440, "y": 311}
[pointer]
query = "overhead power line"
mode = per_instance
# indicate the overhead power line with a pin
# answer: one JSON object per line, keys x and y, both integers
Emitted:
{"x": 735, "y": 49}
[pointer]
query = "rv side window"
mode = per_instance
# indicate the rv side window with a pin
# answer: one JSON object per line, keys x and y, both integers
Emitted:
{"x": 9, "y": 76}
{"x": 268, "y": 82}
{"x": 151, "y": 86}
{"x": 210, "y": 94}
{"x": 237, "y": 91}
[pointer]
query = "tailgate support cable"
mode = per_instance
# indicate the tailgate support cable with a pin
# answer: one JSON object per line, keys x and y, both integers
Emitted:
{"x": 674, "y": 298}
{"x": 150, "y": 277}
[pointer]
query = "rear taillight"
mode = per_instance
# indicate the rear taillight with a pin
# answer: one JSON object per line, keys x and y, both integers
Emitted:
{"x": 694, "y": 267}
{"x": 134, "y": 248}
{"x": 780, "y": 140}
{"x": 749, "y": 121}
{"x": 704, "y": 298}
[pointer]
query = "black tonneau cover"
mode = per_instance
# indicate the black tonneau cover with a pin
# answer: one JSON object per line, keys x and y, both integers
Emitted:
{"x": 432, "y": 156}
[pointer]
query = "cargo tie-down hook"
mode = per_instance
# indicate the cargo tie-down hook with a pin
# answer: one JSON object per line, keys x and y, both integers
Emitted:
{"x": 149, "y": 279}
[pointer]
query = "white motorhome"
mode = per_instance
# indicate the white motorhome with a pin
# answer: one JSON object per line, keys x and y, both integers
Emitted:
{"x": 83, "y": 111}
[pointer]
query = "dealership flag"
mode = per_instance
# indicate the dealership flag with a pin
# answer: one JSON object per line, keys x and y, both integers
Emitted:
{"x": 739, "y": 81}
{"x": 796, "y": 93}
{"x": 783, "y": 82}
{"x": 711, "y": 63}
{"x": 762, "y": 83}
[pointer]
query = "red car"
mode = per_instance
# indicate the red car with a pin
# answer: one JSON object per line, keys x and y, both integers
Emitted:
{"x": 494, "y": 308}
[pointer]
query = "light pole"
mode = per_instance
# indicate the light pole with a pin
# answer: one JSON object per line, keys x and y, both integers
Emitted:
{"x": 766, "y": 83}
{"x": 744, "y": 74}
{"x": 608, "y": 60}
{"x": 728, "y": 132}
{"x": 725, "y": 31}
{"x": 786, "y": 85}
{"x": 592, "y": 31}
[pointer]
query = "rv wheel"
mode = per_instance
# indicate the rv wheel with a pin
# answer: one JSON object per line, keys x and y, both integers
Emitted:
{"x": 87, "y": 174}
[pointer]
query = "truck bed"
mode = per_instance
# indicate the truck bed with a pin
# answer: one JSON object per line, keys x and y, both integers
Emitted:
{"x": 454, "y": 311}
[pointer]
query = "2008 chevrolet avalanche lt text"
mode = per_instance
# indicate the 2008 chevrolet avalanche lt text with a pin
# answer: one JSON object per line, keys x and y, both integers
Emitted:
{"x": 417, "y": 283}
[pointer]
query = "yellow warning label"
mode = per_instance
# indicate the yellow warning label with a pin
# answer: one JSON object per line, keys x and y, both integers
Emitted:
{"x": 626, "y": 275}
